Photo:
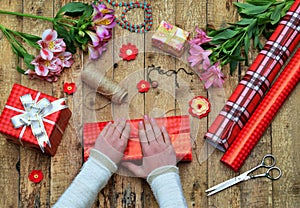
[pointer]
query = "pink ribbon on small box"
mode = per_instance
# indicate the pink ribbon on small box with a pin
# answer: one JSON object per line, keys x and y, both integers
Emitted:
{"x": 34, "y": 114}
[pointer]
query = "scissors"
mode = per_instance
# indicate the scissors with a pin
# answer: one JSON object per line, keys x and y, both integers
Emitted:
{"x": 272, "y": 173}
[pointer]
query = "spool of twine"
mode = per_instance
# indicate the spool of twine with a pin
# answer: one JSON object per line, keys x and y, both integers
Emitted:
{"x": 103, "y": 85}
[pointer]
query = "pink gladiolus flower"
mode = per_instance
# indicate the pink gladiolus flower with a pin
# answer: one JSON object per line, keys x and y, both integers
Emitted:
{"x": 95, "y": 39}
{"x": 200, "y": 38}
{"x": 103, "y": 21}
{"x": 96, "y": 52}
{"x": 199, "y": 56}
{"x": 66, "y": 59}
{"x": 101, "y": 9}
{"x": 50, "y": 44}
{"x": 213, "y": 76}
{"x": 103, "y": 25}
{"x": 43, "y": 67}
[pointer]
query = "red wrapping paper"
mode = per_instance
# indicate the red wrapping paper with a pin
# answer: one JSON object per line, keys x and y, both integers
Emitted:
{"x": 263, "y": 115}
{"x": 54, "y": 131}
{"x": 257, "y": 81}
{"x": 178, "y": 128}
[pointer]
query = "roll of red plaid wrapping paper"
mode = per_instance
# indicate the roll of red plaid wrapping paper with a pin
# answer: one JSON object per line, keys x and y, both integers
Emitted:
{"x": 257, "y": 81}
{"x": 263, "y": 115}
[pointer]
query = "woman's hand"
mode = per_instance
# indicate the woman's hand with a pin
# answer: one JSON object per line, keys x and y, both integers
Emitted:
{"x": 112, "y": 141}
{"x": 156, "y": 148}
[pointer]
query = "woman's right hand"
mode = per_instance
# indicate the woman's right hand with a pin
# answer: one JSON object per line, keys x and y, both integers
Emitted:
{"x": 156, "y": 148}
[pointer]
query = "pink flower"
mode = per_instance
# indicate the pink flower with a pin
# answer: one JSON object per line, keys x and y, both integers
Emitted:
{"x": 213, "y": 76}
{"x": 95, "y": 39}
{"x": 200, "y": 38}
{"x": 50, "y": 44}
{"x": 103, "y": 21}
{"x": 43, "y": 67}
{"x": 101, "y": 9}
{"x": 96, "y": 52}
{"x": 66, "y": 59}
{"x": 199, "y": 56}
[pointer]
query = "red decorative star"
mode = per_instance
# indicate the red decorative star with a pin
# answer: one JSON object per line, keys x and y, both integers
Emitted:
{"x": 69, "y": 88}
{"x": 128, "y": 52}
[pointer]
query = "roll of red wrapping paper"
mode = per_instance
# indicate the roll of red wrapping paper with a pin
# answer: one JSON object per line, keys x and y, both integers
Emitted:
{"x": 263, "y": 115}
{"x": 257, "y": 81}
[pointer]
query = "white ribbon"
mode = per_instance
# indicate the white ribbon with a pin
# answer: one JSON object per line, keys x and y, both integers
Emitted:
{"x": 33, "y": 116}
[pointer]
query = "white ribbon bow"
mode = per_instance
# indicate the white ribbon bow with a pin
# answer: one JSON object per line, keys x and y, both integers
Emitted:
{"x": 34, "y": 114}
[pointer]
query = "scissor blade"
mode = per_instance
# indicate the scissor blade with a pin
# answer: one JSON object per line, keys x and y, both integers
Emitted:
{"x": 223, "y": 185}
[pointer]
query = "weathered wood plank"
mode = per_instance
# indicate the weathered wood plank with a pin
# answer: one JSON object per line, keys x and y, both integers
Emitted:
{"x": 162, "y": 99}
{"x": 9, "y": 153}
{"x": 194, "y": 174}
{"x": 218, "y": 14}
{"x": 70, "y": 150}
{"x": 35, "y": 194}
{"x": 285, "y": 147}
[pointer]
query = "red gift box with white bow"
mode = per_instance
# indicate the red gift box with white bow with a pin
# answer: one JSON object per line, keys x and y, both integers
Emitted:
{"x": 34, "y": 119}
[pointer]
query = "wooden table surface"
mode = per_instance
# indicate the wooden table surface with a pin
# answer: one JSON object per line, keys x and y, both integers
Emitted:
{"x": 281, "y": 138}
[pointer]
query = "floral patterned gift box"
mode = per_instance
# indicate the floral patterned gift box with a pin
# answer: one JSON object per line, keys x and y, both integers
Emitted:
{"x": 34, "y": 119}
{"x": 170, "y": 39}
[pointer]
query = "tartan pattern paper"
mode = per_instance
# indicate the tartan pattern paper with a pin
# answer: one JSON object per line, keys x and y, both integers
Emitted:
{"x": 178, "y": 128}
{"x": 263, "y": 115}
{"x": 54, "y": 131}
{"x": 257, "y": 81}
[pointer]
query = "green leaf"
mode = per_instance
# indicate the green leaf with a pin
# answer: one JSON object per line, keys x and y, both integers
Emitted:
{"x": 260, "y": 2}
{"x": 224, "y": 35}
{"x": 27, "y": 60}
{"x": 233, "y": 64}
{"x": 275, "y": 16}
{"x": 245, "y": 21}
{"x": 63, "y": 33}
{"x": 72, "y": 9}
{"x": 252, "y": 10}
{"x": 20, "y": 70}
{"x": 246, "y": 48}
{"x": 86, "y": 15}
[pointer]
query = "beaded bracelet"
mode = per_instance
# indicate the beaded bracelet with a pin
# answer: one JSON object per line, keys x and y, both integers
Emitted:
{"x": 124, "y": 23}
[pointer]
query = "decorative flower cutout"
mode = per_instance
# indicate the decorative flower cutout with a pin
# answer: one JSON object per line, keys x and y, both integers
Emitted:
{"x": 143, "y": 86}
{"x": 36, "y": 176}
{"x": 128, "y": 52}
{"x": 69, "y": 88}
{"x": 199, "y": 107}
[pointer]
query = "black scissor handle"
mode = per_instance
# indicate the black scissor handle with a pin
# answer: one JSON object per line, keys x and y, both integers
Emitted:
{"x": 273, "y": 173}
{"x": 268, "y": 161}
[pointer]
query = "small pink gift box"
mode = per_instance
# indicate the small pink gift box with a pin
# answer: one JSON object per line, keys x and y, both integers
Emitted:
{"x": 170, "y": 39}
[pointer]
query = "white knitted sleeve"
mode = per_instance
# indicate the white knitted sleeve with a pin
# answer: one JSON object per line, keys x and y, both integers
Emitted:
{"x": 93, "y": 176}
{"x": 166, "y": 186}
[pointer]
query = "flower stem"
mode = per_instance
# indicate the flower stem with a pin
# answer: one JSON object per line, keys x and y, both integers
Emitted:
{"x": 27, "y": 15}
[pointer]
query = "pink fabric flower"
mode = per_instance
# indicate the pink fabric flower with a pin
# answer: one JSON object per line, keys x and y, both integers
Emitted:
{"x": 50, "y": 44}
{"x": 199, "y": 56}
{"x": 213, "y": 76}
{"x": 200, "y": 38}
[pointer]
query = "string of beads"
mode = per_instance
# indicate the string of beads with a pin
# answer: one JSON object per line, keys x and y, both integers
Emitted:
{"x": 125, "y": 24}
